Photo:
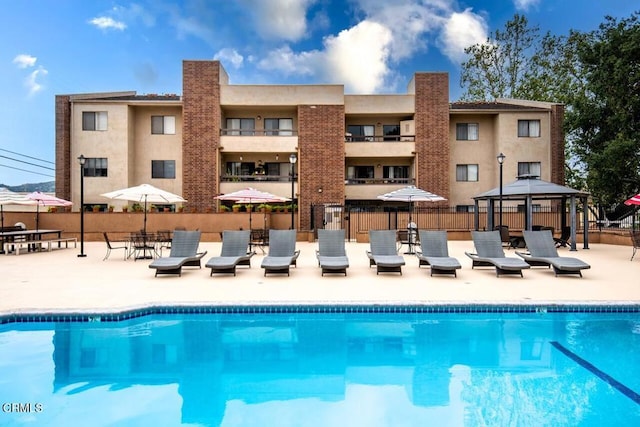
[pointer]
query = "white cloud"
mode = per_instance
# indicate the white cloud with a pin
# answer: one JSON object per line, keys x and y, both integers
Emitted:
{"x": 356, "y": 57}
{"x": 229, "y": 56}
{"x": 525, "y": 4}
{"x": 280, "y": 19}
{"x": 24, "y": 61}
{"x": 460, "y": 31}
{"x": 106, "y": 23}
{"x": 32, "y": 81}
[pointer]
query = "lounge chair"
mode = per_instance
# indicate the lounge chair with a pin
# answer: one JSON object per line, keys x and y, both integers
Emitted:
{"x": 489, "y": 253}
{"x": 282, "y": 252}
{"x": 434, "y": 252}
{"x": 111, "y": 246}
{"x": 331, "y": 253}
{"x": 384, "y": 252}
{"x": 543, "y": 252}
{"x": 184, "y": 253}
{"x": 233, "y": 253}
{"x": 565, "y": 238}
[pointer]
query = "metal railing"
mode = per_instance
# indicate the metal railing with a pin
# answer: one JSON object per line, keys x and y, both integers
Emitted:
{"x": 256, "y": 177}
{"x": 258, "y": 132}
{"x": 379, "y": 138}
{"x": 378, "y": 181}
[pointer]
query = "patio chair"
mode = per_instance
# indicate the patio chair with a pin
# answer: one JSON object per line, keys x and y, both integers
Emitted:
{"x": 565, "y": 238}
{"x": 384, "y": 252}
{"x": 110, "y": 247}
{"x": 489, "y": 253}
{"x": 543, "y": 253}
{"x": 635, "y": 242}
{"x": 184, "y": 253}
{"x": 233, "y": 253}
{"x": 331, "y": 253}
{"x": 434, "y": 252}
{"x": 282, "y": 252}
{"x": 141, "y": 244}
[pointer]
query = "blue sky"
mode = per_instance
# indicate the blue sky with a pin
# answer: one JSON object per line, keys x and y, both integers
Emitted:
{"x": 52, "y": 47}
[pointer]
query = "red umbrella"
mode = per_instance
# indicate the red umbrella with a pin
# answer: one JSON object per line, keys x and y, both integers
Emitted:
{"x": 635, "y": 200}
{"x": 46, "y": 200}
{"x": 250, "y": 196}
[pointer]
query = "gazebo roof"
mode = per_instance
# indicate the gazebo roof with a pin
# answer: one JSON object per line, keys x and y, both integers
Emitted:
{"x": 533, "y": 186}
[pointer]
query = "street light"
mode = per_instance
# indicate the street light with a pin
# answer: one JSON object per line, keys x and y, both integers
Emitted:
{"x": 81, "y": 160}
{"x": 292, "y": 159}
{"x": 500, "y": 158}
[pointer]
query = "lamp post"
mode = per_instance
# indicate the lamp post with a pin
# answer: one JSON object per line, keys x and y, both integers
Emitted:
{"x": 81, "y": 160}
{"x": 292, "y": 159}
{"x": 500, "y": 158}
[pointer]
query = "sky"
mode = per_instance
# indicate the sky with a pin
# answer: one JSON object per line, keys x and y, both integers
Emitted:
{"x": 53, "y": 47}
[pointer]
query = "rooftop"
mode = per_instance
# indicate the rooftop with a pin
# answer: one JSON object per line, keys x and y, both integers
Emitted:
{"x": 59, "y": 282}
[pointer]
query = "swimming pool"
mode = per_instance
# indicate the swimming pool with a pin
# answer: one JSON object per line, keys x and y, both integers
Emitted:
{"x": 324, "y": 369}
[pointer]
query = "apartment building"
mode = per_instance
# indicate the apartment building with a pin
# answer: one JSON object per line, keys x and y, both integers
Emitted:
{"x": 216, "y": 138}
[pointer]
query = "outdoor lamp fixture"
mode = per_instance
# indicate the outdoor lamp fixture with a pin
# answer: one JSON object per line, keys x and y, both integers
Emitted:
{"x": 82, "y": 160}
{"x": 500, "y": 158}
{"x": 292, "y": 159}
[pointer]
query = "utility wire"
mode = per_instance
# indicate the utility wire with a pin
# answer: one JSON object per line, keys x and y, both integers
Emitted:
{"x": 27, "y": 163}
{"x": 25, "y": 170}
{"x": 29, "y": 157}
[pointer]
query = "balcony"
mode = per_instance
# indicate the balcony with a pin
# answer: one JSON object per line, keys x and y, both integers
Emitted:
{"x": 275, "y": 184}
{"x": 258, "y": 140}
{"x": 386, "y": 138}
{"x": 371, "y": 188}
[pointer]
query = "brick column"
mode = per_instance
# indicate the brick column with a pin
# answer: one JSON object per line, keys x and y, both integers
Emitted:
{"x": 63, "y": 147}
{"x": 557, "y": 144}
{"x": 321, "y": 158}
{"x": 432, "y": 133}
{"x": 200, "y": 132}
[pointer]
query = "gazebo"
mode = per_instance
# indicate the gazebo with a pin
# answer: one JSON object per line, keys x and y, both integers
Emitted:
{"x": 529, "y": 188}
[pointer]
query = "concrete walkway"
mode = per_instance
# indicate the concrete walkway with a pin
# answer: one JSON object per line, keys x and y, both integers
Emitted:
{"x": 60, "y": 282}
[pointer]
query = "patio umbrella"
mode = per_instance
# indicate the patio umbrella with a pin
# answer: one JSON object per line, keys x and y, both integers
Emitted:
{"x": 142, "y": 194}
{"x": 635, "y": 200}
{"x": 8, "y": 197}
{"x": 43, "y": 199}
{"x": 411, "y": 194}
{"x": 250, "y": 196}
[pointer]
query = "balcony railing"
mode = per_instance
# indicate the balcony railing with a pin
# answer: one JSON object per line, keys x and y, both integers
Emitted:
{"x": 258, "y": 132}
{"x": 379, "y": 138}
{"x": 379, "y": 181}
{"x": 256, "y": 177}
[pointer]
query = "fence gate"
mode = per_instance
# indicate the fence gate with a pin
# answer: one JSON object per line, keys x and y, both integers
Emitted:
{"x": 328, "y": 216}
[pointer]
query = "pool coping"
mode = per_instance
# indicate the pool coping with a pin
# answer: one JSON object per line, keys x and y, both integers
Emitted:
{"x": 125, "y": 313}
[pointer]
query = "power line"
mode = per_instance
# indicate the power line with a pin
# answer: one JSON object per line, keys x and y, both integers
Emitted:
{"x": 27, "y": 163}
{"x": 29, "y": 157}
{"x": 25, "y": 170}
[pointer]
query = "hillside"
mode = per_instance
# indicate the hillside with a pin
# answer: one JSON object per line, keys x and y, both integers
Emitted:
{"x": 45, "y": 187}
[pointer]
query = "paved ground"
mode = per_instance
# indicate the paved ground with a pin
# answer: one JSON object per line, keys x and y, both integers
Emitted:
{"x": 59, "y": 281}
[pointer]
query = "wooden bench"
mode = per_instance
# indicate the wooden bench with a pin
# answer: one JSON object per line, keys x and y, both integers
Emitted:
{"x": 20, "y": 245}
{"x": 65, "y": 240}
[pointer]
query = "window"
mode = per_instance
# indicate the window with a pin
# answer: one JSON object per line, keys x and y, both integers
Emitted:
{"x": 96, "y": 167}
{"x": 361, "y": 132}
{"x": 391, "y": 132}
{"x": 240, "y": 168}
{"x": 529, "y": 168}
{"x": 467, "y": 131}
{"x": 94, "y": 120}
{"x": 282, "y": 127}
{"x": 241, "y": 126}
{"x": 358, "y": 174}
{"x": 529, "y": 128}
{"x": 466, "y": 172}
{"x": 163, "y": 169}
{"x": 396, "y": 172}
{"x": 163, "y": 125}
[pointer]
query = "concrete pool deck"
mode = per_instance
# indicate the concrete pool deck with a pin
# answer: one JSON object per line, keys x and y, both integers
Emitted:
{"x": 60, "y": 282}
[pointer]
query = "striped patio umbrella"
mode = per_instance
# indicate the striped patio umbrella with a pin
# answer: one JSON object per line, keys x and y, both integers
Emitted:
{"x": 250, "y": 196}
{"x": 635, "y": 200}
{"x": 8, "y": 197}
{"x": 411, "y": 194}
{"x": 43, "y": 199}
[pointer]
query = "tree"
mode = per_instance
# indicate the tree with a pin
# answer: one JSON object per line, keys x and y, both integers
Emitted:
{"x": 605, "y": 121}
{"x": 497, "y": 67}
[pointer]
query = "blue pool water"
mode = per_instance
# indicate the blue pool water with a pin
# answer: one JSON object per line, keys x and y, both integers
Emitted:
{"x": 335, "y": 369}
